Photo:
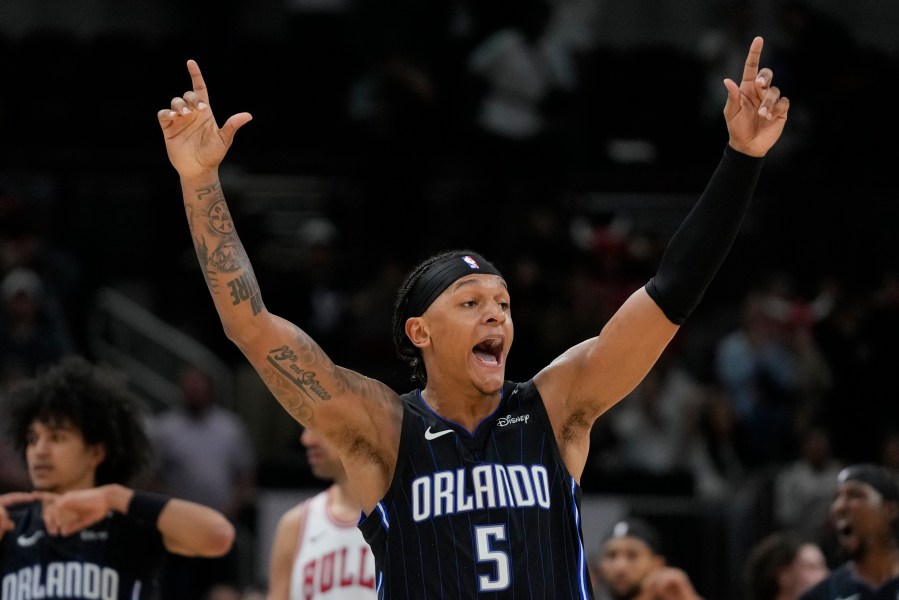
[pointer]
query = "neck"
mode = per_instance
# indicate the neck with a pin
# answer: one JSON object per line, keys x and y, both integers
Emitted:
{"x": 878, "y": 568}
{"x": 466, "y": 410}
{"x": 342, "y": 504}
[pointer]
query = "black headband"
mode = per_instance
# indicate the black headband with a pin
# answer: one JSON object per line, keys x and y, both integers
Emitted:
{"x": 878, "y": 477}
{"x": 637, "y": 529}
{"x": 440, "y": 275}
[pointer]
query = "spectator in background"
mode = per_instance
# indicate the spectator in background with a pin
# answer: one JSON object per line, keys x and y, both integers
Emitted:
{"x": 633, "y": 567}
{"x": 81, "y": 432}
{"x": 30, "y": 214}
{"x": 522, "y": 65}
{"x": 13, "y": 474}
{"x": 525, "y": 69}
{"x": 655, "y": 429}
{"x": 803, "y": 488}
{"x": 33, "y": 329}
{"x": 716, "y": 459}
{"x": 865, "y": 515}
{"x": 781, "y": 566}
{"x": 318, "y": 551}
{"x": 204, "y": 454}
{"x": 759, "y": 372}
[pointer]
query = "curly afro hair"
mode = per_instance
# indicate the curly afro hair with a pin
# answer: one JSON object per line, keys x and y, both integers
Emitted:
{"x": 94, "y": 399}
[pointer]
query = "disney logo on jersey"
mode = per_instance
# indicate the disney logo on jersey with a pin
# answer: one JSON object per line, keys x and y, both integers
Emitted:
{"x": 510, "y": 420}
{"x": 92, "y": 536}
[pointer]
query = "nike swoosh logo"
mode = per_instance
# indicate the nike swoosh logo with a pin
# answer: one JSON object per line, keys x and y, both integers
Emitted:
{"x": 29, "y": 540}
{"x": 429, "y": 435}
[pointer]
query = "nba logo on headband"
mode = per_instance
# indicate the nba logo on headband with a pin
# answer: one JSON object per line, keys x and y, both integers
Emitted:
{"x": 471, "y": 262}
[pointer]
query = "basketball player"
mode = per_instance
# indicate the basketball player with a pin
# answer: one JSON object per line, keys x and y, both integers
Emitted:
{"x": 469, "y": 483}
{"x": 319, "y": 552}
{"x": 865, "y": 514}
{"x": 81, "y": 533}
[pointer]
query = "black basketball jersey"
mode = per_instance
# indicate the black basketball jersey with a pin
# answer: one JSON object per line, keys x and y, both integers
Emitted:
{"x": 490, "y": 515}
{"x": 842, "y": 584}
{"x": 115, "y": 559}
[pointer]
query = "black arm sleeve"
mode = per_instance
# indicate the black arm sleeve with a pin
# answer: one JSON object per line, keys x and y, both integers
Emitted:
{"x": 701, "y": 243}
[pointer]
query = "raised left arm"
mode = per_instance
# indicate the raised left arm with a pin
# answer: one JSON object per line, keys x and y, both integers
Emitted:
{"x": 593, "y": 376}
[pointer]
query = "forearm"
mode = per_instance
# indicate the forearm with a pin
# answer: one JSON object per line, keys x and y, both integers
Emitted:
{"x": 187, "y": 528}
{"x": 701, "y": 243}
{"x": 192, "y": 529}
{"x": 223, "y": 260}
{"x": 290, "y": 362}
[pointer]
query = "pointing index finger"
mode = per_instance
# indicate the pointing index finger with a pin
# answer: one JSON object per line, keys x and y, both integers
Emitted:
{"x": 751, "y": 68}
{"x": 196, "y": 78}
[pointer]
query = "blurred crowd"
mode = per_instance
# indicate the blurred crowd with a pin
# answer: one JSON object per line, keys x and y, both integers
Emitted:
{"x": 518, "y": 134}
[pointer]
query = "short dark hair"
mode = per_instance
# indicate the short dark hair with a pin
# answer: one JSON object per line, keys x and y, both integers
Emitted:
{"x": 96, "y": 400}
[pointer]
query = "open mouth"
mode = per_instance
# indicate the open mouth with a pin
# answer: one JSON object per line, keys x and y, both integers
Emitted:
{"x": 489, "y": 351}
{"x": 844, "y": 530}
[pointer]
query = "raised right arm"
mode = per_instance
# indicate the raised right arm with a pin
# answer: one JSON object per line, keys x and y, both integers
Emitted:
{"x": 360, "y": 415}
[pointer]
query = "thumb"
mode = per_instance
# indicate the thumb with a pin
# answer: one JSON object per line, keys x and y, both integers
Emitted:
{"x": 234, "y": 123}
{"x": 734, "y": 99}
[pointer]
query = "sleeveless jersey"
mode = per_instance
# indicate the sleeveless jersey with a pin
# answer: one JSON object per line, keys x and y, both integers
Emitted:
{"x": 489, "y": 515}
{"x": 114, "y": 559}
{"x": 842, "y": 584}
{"x": 333, "y": 560}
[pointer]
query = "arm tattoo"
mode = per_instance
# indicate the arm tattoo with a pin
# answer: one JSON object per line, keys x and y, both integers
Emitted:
{"x": 219, "y": 216}
{"x": 284, "y": 360}
{"x": 245, "y": 288}
{"x": 225, "y": 253}
{"x": 293, "y": 401}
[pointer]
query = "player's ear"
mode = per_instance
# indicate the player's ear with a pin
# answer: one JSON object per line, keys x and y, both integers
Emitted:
{"x": 891, "y": 509}
{"x": 96, "y": 454}
{"x": 417, "y": 332}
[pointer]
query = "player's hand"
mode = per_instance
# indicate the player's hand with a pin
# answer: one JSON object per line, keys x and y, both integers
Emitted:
{"x": 755, "y": 111}
{"x": 194, "y": 142}
{"x": 64, "y": 514}
{"x": 8, "y": 500}
{"x": 667, "y": 583}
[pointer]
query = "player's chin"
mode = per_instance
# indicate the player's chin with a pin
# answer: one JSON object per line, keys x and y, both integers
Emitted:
{"x": 489, "y": 378}
{"x": 41, "y": 481}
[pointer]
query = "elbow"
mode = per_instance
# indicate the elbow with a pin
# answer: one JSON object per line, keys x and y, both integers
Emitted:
{"x": 233, "y": 332}
{"x": 240, "y": 334}
{"x": 245, "y": 329}
{"x": 219, "y": 539}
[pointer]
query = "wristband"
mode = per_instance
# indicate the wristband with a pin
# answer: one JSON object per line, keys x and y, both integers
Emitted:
{"x": 146, "y": 506}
